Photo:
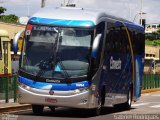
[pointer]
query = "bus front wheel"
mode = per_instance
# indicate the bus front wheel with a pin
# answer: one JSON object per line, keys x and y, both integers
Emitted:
{"x": 97, "y": 111}
{"x": 52, "y": 108}
{"x": 37, "y": 109}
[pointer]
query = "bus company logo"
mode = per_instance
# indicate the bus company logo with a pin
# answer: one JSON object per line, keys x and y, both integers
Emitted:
{"x": 79, "y": 85}
{"x": 28, "y": 32}
{"x": 53, "y": 81}
{"x": 51, "y": 92}
{"x": 115, "y": 64}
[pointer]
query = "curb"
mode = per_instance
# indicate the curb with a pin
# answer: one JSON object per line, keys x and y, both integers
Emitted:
{"x": 14, "y": 108}
{"x": 150, "y": 90}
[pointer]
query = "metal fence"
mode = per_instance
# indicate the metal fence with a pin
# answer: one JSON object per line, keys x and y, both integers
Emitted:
{"x": 150, "y": 81}
{"x": 8, "y": 88}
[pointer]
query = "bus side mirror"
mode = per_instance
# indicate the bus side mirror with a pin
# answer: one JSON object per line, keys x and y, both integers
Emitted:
{"x": 96, "y": 45}
{"x": 15, "y": 41}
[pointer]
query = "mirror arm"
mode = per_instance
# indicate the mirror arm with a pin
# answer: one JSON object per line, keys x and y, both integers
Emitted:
{"x": 15, "y": 41}
{"x": 96, "y": 45}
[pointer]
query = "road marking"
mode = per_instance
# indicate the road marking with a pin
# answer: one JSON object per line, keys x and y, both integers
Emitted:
{"x": 140, "y": 101}
{"x": 155, "y": 106}
{"x": 146, "y": 94}
{"x": 157, "y": 95}
{"x": 139, "y": 104}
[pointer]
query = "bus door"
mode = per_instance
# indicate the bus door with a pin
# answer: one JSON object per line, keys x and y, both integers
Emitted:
{"x": 1, "y": 58}
{"x": 5, "y": 54}
{"x": 117, "y": 69}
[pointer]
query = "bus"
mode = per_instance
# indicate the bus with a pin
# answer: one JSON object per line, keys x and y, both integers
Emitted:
{"x": 80, "y": 58}
{"x": 5, "y": 55}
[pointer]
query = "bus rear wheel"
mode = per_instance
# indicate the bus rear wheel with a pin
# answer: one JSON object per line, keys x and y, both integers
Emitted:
{"x": 37, "y": 109}
{"x": 127, "y": 105}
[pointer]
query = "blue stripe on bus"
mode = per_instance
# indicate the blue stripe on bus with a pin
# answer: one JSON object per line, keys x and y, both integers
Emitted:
{"x": 53, "y": 86}
{"x": 60, "y": 22}
{"x": 130, "y": 25}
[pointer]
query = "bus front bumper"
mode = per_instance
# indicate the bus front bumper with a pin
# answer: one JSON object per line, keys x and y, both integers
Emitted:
{"x": 59, "y": 99}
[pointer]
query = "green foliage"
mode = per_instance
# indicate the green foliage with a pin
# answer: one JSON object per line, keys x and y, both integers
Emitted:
{"x": 2, "y": 10}
{"x": 153, "y": 42}
{"x": 157, "y": 42}
{"x": 8, "y": 18}
{"x": 153, "y": 36}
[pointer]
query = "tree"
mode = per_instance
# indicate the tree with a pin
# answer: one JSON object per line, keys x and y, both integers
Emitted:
{"x": 2, "y": 10}
{"x": 7, "y": 18}
{"x": 158, "y": 32}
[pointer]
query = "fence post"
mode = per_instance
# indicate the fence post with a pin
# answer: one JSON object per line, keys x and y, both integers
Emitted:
{"x": 158, "y": 81}
{"x": 15, "y": 87}
{"x": 6, "y": 93}
{"x": 144, "y": 81}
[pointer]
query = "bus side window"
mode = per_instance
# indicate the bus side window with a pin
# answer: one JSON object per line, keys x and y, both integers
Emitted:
{"x": 109, "y": 38}
{"x": 0, "y": 49}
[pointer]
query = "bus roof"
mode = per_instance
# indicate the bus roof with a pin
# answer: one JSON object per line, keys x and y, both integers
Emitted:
{"x": 4, "y": 33}
{"x": 71, "y": 16}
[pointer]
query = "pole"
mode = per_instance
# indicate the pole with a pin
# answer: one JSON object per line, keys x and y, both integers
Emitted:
{"x": 28, "y": 11}
{"x": 141, "y": 14}
{"x": 14, "y": 77}
{"x": 64, "y": 4}
{"x": 7, "y": 86}
{"x": 43, "y": 3}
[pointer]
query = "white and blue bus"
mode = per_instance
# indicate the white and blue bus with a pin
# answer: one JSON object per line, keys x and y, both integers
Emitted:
{"x": 80, "y": 58}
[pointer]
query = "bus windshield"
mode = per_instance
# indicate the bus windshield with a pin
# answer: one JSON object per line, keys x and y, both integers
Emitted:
{"x": 54, "y": 52}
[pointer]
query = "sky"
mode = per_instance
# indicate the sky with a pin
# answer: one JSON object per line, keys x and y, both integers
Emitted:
{"x": 127, "y": 9}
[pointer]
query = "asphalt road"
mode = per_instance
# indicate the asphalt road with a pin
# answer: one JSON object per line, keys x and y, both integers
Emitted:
{"x": 147, "y": 108}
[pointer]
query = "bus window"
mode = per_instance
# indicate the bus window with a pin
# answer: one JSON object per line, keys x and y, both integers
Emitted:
{"x": 116, "y": 39}
{"x": 137, "y": 38}
{"x": 0, "y": 50}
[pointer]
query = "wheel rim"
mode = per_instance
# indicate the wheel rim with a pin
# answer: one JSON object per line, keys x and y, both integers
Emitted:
{"x": 129, "y": 98}
{"x": 98, "y": 110}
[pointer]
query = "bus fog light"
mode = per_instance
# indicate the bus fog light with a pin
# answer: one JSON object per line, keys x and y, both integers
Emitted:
{"x": 77, "y": 91}
{"x": 93, "y": 87}
{"x": 80, "y": 90}
{"x": 84, "y": 100}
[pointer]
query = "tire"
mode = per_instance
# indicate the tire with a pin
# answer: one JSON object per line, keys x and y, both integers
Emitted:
{"x": 127, "y": 105}
{"x": 52, "y": 108}
{"x": 37, "y": 109}
{"x": 97, "y": 111}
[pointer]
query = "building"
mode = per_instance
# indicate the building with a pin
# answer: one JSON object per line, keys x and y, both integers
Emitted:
{"x": 152, "y": 59}
{"x": 150, "y": 28}
{"x": 11, "y": 28}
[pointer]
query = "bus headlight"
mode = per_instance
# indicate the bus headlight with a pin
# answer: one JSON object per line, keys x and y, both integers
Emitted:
{"x": 81, "y": 90}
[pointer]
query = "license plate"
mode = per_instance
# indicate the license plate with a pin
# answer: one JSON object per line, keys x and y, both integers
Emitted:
{"x": 50, "y": 100}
